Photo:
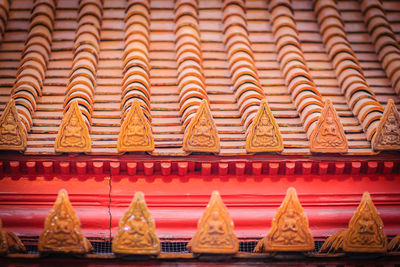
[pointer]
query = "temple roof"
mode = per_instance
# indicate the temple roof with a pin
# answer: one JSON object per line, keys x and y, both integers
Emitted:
{"x": 235, "y": 52}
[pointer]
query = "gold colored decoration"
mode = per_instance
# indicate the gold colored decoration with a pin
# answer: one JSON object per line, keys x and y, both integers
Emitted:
{"x": 215, "y": 230}
{"x": 328, "y": 136}
{"x": 62, "y": 229}
{"x": 201, "y": 134}
{"x": 136, "y": 231}
{"x": 387, "y": 135}
{"x": 73, "y": 134}
{"x": 12, "y": 132}
{"x": 135, "y": 132}
{"x": 9, "y": 242}
{"x": 264, "y": 135}
{"x": 365, "y": 232}
{"x": 289, "y": 230}
{"x": 334, "y": 243}
{"x": 394, "y": 245}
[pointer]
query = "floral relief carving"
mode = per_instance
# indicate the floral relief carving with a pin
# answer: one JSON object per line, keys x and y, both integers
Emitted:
{"x": 136, "y": 231}
{"x": 73, "y": 134}
{"x": 201, "y": 134}
{"x": 387, "y": 136}
{"x": 215, "y": 230}
{"x": 264, "y": 135}
{"x": 62, "y": 229}
{"x": 135, "y": 132}
{"x": 365, "y": 231}
{"x": 328, "y": 136}
{"x": 289, "y": 230}
{"x": 12, "y": 132}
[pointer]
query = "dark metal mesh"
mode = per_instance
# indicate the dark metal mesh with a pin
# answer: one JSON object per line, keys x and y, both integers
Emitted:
{"x": 103, "y": 246}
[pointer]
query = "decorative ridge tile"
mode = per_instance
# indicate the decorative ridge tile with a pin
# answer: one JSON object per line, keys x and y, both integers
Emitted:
{"x": 328, "y": 135}
{"x": 215, "y": 233}
{"x": 264, "y": 135}
{"x": 387, "y": 136}
{"x": 201, "y": 135}
{"x": 12, "y": 131}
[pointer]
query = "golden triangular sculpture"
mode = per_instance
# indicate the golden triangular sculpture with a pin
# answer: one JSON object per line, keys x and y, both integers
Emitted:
{"x": 73, "y": 134}
{"x": 201, "y": 134}
{"x": 215, "y": 230}
{"x": 289, "y": 230}
{"x": 9, "y": 242}
{"x": 328, "y": 136}
{"x": 264, "y": 135}
{"x": 387, "y": 135}
{"x": 365, "y": 231}
{"x": 62, "y": 229}
{"x": 136, "y": 231}
{"x": 135, "y": 134}
{"x": 12, "y": 132}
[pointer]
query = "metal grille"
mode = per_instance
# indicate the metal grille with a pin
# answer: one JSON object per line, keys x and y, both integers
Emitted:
{"x": 167, "y": 246}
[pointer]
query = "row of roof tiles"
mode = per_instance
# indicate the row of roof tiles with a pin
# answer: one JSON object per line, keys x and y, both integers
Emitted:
{"x": 238, "y": 46}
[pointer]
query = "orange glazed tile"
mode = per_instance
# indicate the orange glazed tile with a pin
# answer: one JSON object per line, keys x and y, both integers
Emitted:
{"x": 62, "y": 229}
{"x": 365, "y": 233}
{"x": 328, "y": 135}
{"x": 387, "y": 135}
{"x": 12, "y": 132}
{"x": 201, "y": 134}
{"x": 136, "y": 231}
{"x": 73, "y": 134}
{"x": 9, "y": 242}
{"x": 264, "y": 135}
{"x": 289, "y": 230}
{"x": 215, "y": 230}
{"x": 136, "y": 133}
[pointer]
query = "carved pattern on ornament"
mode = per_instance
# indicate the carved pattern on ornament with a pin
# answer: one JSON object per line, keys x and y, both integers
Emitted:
{"x": 289, "y": 230}
{"x": 201, "y": 134}
{"x": 387, "y": 135}
{"x": 73, "y": 134}
{"x": 328, "y": 136}
{"x": 264, "y": 135}
{"x": 136, "y": 231}
{"x": 215, "y": 230}
{"x": 136, "y": 134}
{"x": 62, "y": 229}
{"x": 365, "y": 231}
{"x": 12, "y": 132}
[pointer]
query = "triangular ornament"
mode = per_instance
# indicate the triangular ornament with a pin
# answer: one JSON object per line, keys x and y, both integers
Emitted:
{"x": 9, "y": 242}
{"x": 136, "y": 231}
{"x": 215, "y": 230}
{"x": 201, "y": 134}
{"x": 62, "y": 229}
{"x": 12, "y": 132}
{"x": 135, "y": 134}
{"x": 264, "y": 135}
{"x": 365, "y": 231}
{"x": 328, "y": 135}
{"x": 73, "y": 134}
{"x": 289, "y": 230}
{"x": 387, "y": 135}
